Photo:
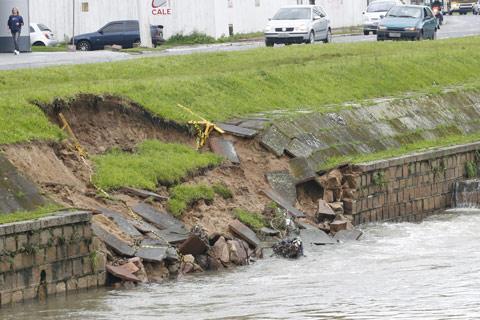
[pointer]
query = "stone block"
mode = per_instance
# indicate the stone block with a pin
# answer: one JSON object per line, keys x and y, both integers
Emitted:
{"x": 77, "y": 267}
{"x": 101, "y": 278}
{"x": 51, "y": 288}
{"x": 51, "y": 254}
{"x": 92, "y": 281}
{"x": 5, "y": 298}
{"x": 71, "y": 285}
{"x": 29, "y": 293}
{"x": 17, "y": 296}
{"x": 44, "y": 237}
{"x": 82, "y": 283}
{"x": 61, "y": 288}
{"x": 10, "y": 244}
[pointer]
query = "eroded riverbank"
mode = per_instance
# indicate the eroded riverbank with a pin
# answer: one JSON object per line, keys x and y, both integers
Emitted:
{"x": 427, "y": 270}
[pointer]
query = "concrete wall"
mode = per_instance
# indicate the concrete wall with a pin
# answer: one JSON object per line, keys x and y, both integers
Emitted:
{"x": 410, "y": 188}
{"x": 52, "y": 255}
{"x": 212, "y": 17}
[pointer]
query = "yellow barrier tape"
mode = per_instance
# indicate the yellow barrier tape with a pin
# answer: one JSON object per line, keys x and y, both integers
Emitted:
{"x": 203, "y": 127}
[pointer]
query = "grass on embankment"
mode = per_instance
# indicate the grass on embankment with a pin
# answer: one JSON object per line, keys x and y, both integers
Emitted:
{"x": 153, "y": 162}
{"x": 29, "y": 215}
{"x": 224, "y": 85}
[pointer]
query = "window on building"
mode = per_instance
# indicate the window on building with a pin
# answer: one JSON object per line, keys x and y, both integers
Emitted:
{"x": 84, "y": 6}
{"x": 257, "y": 3}
{"x": 230, "y": 3}
{"x": 312, "y": 1}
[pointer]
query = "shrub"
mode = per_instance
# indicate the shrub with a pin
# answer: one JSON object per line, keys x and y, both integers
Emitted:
{"x": 222, "y": 190}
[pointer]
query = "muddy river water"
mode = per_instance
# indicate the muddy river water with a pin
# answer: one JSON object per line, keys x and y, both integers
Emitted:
{"x": 429, "y": 270}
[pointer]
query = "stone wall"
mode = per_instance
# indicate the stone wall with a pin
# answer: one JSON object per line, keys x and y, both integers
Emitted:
{"x": 48, "y": 256}
{"x": 411, "y": 187}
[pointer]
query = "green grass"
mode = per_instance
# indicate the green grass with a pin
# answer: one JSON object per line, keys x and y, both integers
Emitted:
{"x": 224, "y": 85}
{"x": 405, "y": 149}
{"x": 252, "y": 219}
{"x": 222, "y": 190}
{"x": 29, "y": 215}
{"x": 153, "y": 162}
{"x": 183, "y": 196}
{"x": 57, "y": 48}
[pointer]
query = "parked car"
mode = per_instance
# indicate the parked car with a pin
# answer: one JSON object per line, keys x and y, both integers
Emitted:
{"x": 461, "y": 6}
{"x": 124, "y": 33}
{"x": 408, "y": 22}
{"x": 375, "y": 12}
{"x": 298, "y": 24}
{"x": 41, "y": 35}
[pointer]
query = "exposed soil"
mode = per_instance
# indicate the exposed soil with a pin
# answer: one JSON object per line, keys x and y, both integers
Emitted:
{"x": 104, "y": 123}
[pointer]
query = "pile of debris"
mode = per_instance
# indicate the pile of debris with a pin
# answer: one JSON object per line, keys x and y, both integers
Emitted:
{"x": 153, "y": 246}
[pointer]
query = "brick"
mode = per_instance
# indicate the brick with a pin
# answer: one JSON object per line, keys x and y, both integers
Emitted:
{"x": 87, "y": 265}
{"x": 24, "y": 278}
{"x": 73, "y": 249}
{"x": 61, "y": 252}
{"x": 39, "y": 257}
{"x": 17, "y": 296}
{"x": 77, "y": 267}
{"x": 34, "y": 239}
{"x": 44, "y": 237}
{"x": 82, "y": 283}
{"x": 71, "y": 285}
{"x": 29, "y": 293}
{"x": 5, "y": 298}
{"x": 83, "y": 248}
{"x": 11, "y": 244}
{"x": 87, "y": 231}
{"x": 67, "y": 232}
{"x": 61, "y": 288}
{"x": 405, "y": 170}
{"x": 51, "y": 254}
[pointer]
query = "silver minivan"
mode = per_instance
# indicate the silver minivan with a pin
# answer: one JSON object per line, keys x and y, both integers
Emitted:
{"x": 298, "y": 24}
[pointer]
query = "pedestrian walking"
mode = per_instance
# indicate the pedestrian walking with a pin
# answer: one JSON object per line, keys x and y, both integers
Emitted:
{"x": 15, "y": 23}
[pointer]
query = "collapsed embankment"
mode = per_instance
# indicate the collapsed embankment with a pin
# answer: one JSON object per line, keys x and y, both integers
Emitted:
{"x": 272, "y": 169}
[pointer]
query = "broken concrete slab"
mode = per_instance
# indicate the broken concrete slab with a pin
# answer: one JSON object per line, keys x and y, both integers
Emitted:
{"x": 193, "y": 245}
{"x": 125, "y": 225}
{"x": 152, "y": 254}
{"x": 145, "y": 194}
{"x": 254, "y": 124}
{"x": 274, "y": 141}
{"x": 172, "y": 237}
{"x": 348, "y": 235}
{"x": 122, "y": 272}
{"x": 118, "y": 245}
{"x": 284, "y": 184}
{"x": 17, "y": 193}
{"x": 237, "y": 131}
{"x": 245, "y": 233}
{"x": 316, "y": 237}
{"x": 324, "y": 211}
{"x": 162, "y": 220}
{"x": 301, "y": 170}
{"x": 225, "y": 148}
{"x": 278, "y": 199}
{"x": 269, "y": 232}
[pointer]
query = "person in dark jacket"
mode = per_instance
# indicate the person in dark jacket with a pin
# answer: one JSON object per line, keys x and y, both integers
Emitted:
{"x": 15, "y": 23}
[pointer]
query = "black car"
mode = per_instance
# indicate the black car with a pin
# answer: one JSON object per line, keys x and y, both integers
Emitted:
{"x": 124, "y": 33}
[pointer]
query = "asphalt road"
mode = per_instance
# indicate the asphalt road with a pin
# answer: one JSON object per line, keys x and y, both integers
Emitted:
{"x": 454, "y": 27}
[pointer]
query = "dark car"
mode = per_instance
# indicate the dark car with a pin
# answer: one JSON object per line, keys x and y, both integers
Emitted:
{"x": 124, "y": 33}
{"x": 408, "y": 22}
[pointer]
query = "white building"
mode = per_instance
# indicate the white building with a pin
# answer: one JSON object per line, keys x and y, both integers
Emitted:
{"x": 215, "y": 18}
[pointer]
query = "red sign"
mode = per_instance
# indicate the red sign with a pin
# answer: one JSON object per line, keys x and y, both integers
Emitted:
{"x": 161, "y": 8}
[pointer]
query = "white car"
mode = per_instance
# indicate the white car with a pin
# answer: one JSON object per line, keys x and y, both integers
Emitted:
{"x": 375, "y": 12}
{"x": 41, "y": 35}
{"x": 298, "y": 24}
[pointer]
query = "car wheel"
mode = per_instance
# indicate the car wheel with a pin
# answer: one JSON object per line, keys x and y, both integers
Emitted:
{"x": 366, "y": 33}
{"x": 269, "y": 43}
{"x": 328, "y": 39}
{"x": 420, "y": 35}
{"x": 311, "y": 38}
{"x": 39, "y": 44}
{"x": 83, "y": 45}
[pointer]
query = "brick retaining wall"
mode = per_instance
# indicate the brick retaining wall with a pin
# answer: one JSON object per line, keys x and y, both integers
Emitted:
{"x": 48, "y": 256}
{"x": 409, "y": 188}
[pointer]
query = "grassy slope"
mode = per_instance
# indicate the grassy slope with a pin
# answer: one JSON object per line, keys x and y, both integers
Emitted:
{"x": 153, "y": 163}
{"x": 222, "y": 85}
{"x": 29, "y": 215}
